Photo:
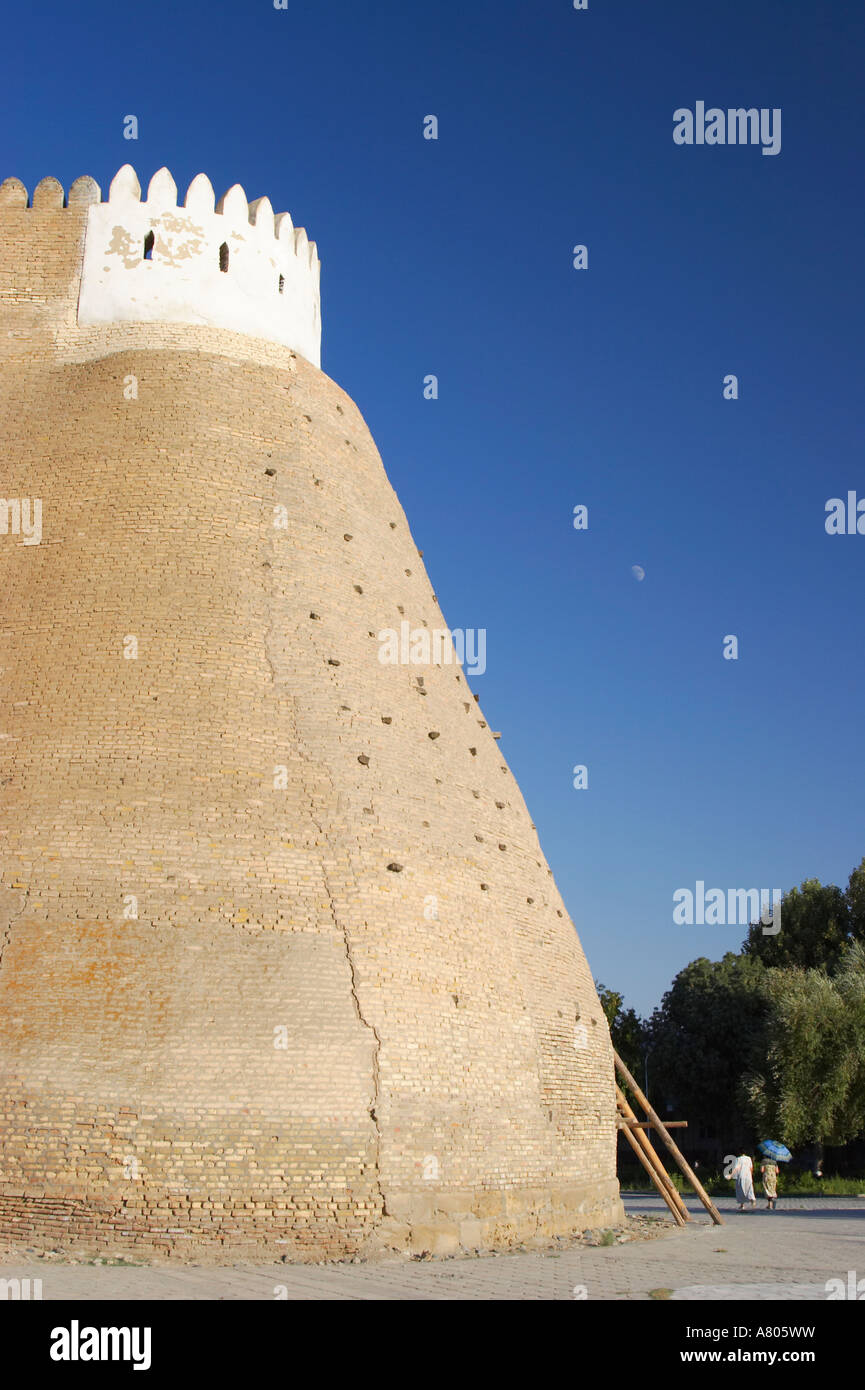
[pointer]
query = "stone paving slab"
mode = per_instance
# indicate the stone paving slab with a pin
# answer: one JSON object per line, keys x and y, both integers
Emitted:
{"x": 786, "y": 1255}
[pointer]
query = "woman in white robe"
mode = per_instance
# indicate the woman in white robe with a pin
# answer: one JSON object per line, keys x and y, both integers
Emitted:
{"x": 744, "y": 1175}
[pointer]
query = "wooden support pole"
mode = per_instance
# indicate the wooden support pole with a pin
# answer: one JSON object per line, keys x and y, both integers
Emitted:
{"x": 651, "y": 1171}
{"x": 671, "y": 1124}
{"x": 670, "y": 1142}
{"x": 631, "y": 1125}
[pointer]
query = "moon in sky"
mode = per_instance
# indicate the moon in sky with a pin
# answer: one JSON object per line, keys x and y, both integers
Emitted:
{"x": 638, "y": 572}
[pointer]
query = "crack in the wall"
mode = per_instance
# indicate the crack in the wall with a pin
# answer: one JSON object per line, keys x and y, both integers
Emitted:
{"x": 7, "y": 933}
{"x": 340, "y": 927}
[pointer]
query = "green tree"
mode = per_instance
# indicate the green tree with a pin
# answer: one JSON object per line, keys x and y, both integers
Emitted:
{"x": 856, "y": 902}
{"x": 627, "y": 1029}
{"x": 811, "y": 1086}
{"x": 709, "y": 1028}
{"x": 815, "y": 927}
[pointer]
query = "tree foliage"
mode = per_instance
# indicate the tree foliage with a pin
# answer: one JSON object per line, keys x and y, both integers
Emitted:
{"x": 771, "y": 1039}
{"x": 811, "y": 1086}
{"x": 709, "y": 1028}
{"x": 627, "y": 1029}
{"x": 818, "y": 922}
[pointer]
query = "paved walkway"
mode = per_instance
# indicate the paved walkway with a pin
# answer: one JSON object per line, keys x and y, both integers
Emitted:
{"x": 784, "y": 1255}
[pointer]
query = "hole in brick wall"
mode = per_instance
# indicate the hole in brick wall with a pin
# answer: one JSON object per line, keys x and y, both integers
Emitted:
{"x": 558, "y": 913}
{"x": 386, "y": 719}
{"x": 502, "y": 846}
{"x": 270, "y": 472}
{"x": 339, "y": 408}
{"x": 433, "y": 734}
{"x": 393, "y": 526}
{"x": 281, "y": 284}
{"x": 399, "y": 608}
{"x": 485, "y": 887}
{"x": 149, "y": 241}
{"x": 474, "y": 752}
{"x": 358, "y": 589}
{"x": 456, "y": 999}
{"x": 501, "y": 805}
{"x": 332, "y": 661}
{"x": 529, "y": 900}
{"x": 223, "y": 257}
{"x": 363, "y": 759}
{"x": 346, "y": 537}
{"x": 315, "y": 615}
{"x": 395, "y": 868}
{"x": 479, "y": 838}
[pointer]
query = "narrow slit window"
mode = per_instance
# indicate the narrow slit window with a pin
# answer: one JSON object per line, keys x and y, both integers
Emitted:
{"x": 223, "y": 257}
{"x": 148, "y": 246}
{"x": 281, "y": 284}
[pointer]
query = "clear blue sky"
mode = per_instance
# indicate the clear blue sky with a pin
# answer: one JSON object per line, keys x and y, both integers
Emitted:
{"x": 560, "y": 387}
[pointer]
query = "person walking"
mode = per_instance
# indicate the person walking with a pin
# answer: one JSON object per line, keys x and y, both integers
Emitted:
{"x": 769, "y": 1178}
{"x": 744, "y": 1175}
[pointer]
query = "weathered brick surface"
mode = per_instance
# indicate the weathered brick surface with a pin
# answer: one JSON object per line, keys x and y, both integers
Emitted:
{"x": 429, "y": 1090}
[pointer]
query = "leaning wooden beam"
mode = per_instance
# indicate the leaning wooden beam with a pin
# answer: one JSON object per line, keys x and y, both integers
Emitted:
{"x": 632, "y": 1123}
{"x": 670, "y": 1142}
{"x": 651, "y": 1171}
{"x": 671, "y": 1124}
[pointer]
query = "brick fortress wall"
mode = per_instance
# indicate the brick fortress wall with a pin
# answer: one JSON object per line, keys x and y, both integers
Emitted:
{"x": 286, "y": 1043}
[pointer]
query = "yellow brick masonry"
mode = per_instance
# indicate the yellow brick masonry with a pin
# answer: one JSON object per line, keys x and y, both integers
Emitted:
{"x": 429, "y": 1093}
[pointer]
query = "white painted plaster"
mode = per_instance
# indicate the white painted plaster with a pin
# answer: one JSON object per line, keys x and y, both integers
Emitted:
{"x": 183, "y": 283}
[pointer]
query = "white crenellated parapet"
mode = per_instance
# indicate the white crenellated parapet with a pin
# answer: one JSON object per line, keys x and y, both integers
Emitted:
{"x": 233, "y": 265}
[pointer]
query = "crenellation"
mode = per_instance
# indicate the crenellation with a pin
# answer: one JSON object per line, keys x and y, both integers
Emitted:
{"x": 13, "y": 194}
{"x": 233, "y": 205}
{"x": 162, "y": 191}
{"x": 200, "y": 196}
{"x": 261, "y": 216}
{"x": 232, "y": 264}
{"x": 124, "y": 187}
{"x": 48, "y": 194}
{"x": 84, "y": 191}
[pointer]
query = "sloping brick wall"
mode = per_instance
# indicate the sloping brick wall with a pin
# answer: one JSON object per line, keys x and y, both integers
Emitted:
{"x": 287, "y": 1042}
